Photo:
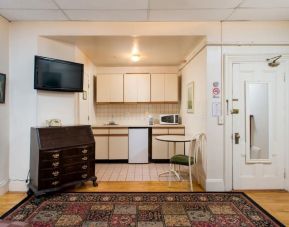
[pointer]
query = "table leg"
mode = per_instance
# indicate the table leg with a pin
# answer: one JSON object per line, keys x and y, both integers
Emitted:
{"x": 172, "y": 167}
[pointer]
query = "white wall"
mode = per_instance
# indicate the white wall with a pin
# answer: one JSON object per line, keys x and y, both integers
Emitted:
{"x": 50, "y": 104}
{"x": 24, "y": 45}
{"x": 85, "y": 107}
{"x": 4, "y": 108}
{"x": 196, "y": 71}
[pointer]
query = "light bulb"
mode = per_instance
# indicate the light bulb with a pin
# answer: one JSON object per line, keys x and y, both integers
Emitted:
{"x": 135, "y": 58}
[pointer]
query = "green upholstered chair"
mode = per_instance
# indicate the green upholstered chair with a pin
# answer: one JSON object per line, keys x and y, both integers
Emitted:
{"x": 196, "y": 149}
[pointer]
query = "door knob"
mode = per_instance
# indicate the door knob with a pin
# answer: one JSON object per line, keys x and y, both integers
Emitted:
{"x": 237, "y": 138}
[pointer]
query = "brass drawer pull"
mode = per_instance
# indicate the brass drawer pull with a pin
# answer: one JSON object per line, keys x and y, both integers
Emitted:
{"x": 84, "y": 158}
{"x": 84, "y": 175}
{"x": 84, "y": 151}
{"x": 55, "y": 156}
{"x": 55, "y": 183}
{"x": 84, "y": 167}
{"x": 55, "y": 173}
{"x": 55, "y": 164}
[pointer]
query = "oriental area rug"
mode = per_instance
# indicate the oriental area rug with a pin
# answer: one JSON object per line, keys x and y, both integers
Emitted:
{"x": 141, "y": 210}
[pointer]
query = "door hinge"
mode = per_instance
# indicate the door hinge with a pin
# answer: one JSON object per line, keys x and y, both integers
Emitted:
{"x": 284, "y": 78}
{"x": 284, "y": 173}
{"x": 87, "y": 117}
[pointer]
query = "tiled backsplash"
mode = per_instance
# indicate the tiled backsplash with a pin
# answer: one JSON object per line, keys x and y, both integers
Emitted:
{"x": 132, "y": 113}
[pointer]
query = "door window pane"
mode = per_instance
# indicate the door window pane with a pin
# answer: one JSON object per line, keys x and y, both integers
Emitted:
{"x": 257, "y": 101}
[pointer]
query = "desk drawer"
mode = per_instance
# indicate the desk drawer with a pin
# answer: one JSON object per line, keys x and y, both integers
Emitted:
{"x": 77, "y": 159}
{"x": 49, "y": 183}
{"x": 76, "y": 176}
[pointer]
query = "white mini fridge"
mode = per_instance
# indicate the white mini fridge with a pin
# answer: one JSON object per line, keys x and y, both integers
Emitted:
{"x": 138, "y": 145}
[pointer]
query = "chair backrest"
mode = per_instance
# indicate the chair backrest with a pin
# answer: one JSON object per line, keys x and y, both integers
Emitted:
{"x": 197, "y": 146}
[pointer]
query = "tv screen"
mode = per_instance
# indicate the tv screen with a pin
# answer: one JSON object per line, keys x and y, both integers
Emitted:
{"x": 57, "y": 75}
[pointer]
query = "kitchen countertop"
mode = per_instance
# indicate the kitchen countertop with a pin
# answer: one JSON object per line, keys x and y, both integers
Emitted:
{"x": 136, "y": 125}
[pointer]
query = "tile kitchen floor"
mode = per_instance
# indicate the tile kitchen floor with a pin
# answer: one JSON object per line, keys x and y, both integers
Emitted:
{"x": 136, "y": 172}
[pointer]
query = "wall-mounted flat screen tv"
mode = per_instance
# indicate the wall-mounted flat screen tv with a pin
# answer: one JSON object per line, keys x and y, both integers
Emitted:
{"x": 57, "y": 75}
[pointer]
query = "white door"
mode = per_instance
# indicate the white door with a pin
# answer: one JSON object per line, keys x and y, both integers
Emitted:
{"x": 258, "y": 126}
{"x": 83, "y": 101}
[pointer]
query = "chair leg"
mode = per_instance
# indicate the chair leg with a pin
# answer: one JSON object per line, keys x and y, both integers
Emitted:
{"x": 191, "y": 182}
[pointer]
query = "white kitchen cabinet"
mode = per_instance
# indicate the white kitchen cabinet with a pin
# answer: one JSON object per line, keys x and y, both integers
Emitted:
{"x": 101, "y": 147}
{"x": 157, "y": 87}
{"x": 180, "y": 148}
{"x": 116, "y": 88}
{"x": 171, "y": 88}
{"x": 159, "y": 149}
{"x": 165, "y": 150}
{"x": 137, "y": 88}
{"x": 144, "y": 90}
{"x": 109, "y": 88}
{"x": 130, "y": 88}
{"x": 118, "y": 147}
{"x": 164, "y": 88}
{"x": 102, "y": 88}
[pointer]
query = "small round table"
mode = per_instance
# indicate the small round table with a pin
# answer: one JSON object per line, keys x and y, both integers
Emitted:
{"x": 174, "y": 139}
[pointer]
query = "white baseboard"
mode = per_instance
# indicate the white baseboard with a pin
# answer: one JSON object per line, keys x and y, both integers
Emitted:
{"x": 215, "y": 185}
{"x": 18, "y": 186}
{"x": 3, "y": 186}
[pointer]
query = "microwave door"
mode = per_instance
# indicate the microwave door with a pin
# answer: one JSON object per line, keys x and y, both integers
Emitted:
{"x": 168, "y": 119}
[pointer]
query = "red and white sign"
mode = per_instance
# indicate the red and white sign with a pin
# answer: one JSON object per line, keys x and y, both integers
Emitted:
{"x": 216, "y": 91}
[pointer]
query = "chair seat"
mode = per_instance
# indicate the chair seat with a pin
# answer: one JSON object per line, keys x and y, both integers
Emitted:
{"x": 181, "y": 160}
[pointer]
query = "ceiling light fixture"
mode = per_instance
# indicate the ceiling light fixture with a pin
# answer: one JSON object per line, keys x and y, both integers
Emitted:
{"x": 135, "y": 58}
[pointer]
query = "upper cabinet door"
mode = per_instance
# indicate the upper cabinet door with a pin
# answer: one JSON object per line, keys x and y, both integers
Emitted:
{"x": 130, "y": 88}
{"x": 144, "y": 81}
{"x": 157, "y": 87}
{"x": 137, "y": 88}
{"x": 116, "y": 87}
{"x": 102, "y": 88}
{"x": 109, "y": 88}
{"x": 171, "y": 88}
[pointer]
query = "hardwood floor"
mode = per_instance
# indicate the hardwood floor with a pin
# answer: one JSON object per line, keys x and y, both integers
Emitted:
{"x": 275, "y": 202}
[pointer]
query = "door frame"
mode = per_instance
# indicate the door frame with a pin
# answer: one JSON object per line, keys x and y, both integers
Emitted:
{"x": 229, "y": 60}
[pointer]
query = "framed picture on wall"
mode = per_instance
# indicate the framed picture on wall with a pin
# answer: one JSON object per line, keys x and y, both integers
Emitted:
{"x": 2, "y": 87}
{"x": 190, "y": 97}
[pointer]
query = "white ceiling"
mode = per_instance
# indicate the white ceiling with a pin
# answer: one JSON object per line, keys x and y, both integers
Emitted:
{"x": 114, "y": 51}
{"x": 144, "y": 10}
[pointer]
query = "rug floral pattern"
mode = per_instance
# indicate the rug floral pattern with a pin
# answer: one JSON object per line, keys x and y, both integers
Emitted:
{"x": 141, "y": 210}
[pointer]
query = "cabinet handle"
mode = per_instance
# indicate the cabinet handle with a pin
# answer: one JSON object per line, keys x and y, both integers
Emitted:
{"x": 84, "y": 158}
{"x": 55, "y": 173}
{"x": 84, "y": 167}
{"x": 55, "y": 156}
{"x": 55, "y": 164}
{"x": 84, "y": 175}
{"x": 84, "y": 151}
{"x": 55, "y": 183}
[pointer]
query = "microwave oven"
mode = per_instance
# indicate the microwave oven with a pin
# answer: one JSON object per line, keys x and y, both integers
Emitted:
{"x": 169, "y": 119}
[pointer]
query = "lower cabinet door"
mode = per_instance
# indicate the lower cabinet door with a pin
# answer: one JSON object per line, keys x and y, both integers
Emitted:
{"x": 180, "y": 149}
{"x": 160, "y": 149}
{"x": 118, "y": 147}
{"x": 101, "y": 147}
